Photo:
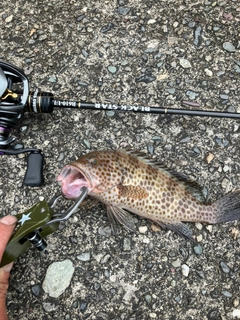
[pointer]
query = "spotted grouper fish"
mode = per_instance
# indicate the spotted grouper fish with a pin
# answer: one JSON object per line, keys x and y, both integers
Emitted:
{"x": 129, "y": 181}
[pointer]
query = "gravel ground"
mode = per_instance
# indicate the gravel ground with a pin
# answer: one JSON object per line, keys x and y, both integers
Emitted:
{"x": 152, "y": 53}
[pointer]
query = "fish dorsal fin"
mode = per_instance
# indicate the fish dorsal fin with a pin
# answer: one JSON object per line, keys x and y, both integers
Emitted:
{"x": 189, "y": 184}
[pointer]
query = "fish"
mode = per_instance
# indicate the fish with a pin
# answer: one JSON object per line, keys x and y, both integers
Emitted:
{"x": 129, "y": 181}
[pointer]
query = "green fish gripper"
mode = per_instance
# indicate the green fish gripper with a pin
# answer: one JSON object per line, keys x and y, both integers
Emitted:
{"x": 29, "y": 222}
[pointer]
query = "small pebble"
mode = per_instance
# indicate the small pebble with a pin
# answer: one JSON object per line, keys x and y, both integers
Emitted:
{"x": 224, "y": 267}
{"x": 23, "y": 128}
{"x": 148, "y": 298}
{"x": 192, "y": 94}
{"x": 150, "y": 148}
{"x": 107, "y": 27}
{"x": 105, "y": 231}
{"x": 185, "y": 63}
{"x": 110, "y": 113}
{"x": 18, "y": 146}
{"x": 198, "y": 225}
{"x": 192, "y": 24}
{"x": 228, "y": 46}
{"x": 209, "y": 228}
{"x": 123, "y": 10}
{"x": 198, "y": 249}
{"x": 235, "y": 302}
{"x": 210, "y": 157}
{"x": 61, "y": 156}
{"x": 112, "y": 69}
{"x": 223, "y": 96}
{"x": 170, "y": 90}
{"x": 85, "y": 256}
{"x": 185, "y": 270}
{"x": 83, "y": 84}
{"x": 146, "y": 78}
{"x": 151, "y": 21}
{"x": 227, "y": 294}
{"x": 52, "y": 79}
{"x": 155, "y": 228}
{"x": 87, "y": 143}
{"x": 208, "y": 72}
{"x": 83, "y": 306}
{"x": 236, "y": 313}
{"x": 143, "y": 229}
{"x": 127, "y": 244}
{"x": 37, "y": 290}
{"x": 176, "y": 263}
{"x": 234, "y": 233}
{"x": 106, "y": 258}
{"x": 197, "y": 36}
{"x": 49, "y": 307}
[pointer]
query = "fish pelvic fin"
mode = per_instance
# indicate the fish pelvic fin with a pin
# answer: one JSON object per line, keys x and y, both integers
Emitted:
{"x": 227, "y": 208}
{"x": 177, "y": 227}
{"x": 120, "y": 216}
{"x": 130, "y": 191}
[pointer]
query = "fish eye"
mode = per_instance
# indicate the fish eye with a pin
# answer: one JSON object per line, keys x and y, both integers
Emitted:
{"x": 93, "y": 161}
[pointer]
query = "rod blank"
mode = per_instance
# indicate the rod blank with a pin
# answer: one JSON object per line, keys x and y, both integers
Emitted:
{"x": 142, "y": 109}
{"x": 45, "y": 102}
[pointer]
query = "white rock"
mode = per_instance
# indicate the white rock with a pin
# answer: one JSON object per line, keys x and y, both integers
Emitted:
{"x": 236, "y": 313}
{"x": 9, "y": 18}
{"x": 176, "y": 263}
{"x": 85, "y": 256}
{"x": 198, "y": 225}
{"x": 185, "y": 270}
{"x": 209, "y": 228}
{"x": 151, "y": 21}
{"x": 185, "y": 63}
{"x": 143, "y": 229}
{"x": 208, "y": 72}
{"x": 58, "y": 277}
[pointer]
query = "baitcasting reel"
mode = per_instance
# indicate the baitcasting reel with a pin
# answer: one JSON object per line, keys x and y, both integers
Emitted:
{"x": 12, "y": 105}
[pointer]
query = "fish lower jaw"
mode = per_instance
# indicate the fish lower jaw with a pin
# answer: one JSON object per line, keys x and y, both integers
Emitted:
{"x": 73, "y": 190}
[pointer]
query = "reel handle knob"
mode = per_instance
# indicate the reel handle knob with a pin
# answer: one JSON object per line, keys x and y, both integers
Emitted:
{"x": 34, "y": 174}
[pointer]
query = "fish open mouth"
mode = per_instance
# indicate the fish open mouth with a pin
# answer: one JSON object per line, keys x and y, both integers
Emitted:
{"x": 72, "y": 180}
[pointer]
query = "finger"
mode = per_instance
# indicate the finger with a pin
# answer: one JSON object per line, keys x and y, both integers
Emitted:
{"x": 7, "y": 225}
{"x": 4, "y": 275}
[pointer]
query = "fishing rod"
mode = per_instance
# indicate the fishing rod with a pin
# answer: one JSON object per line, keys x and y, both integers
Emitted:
{"x": 13, "y": 103}
{"x": 44, "y": 102}
{"x": 15, "y": 99}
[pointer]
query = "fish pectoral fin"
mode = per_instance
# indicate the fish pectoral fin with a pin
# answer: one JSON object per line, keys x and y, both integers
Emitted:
{"x": 177, "y": 227}
{"x": 130, "y": 191}
{"x": 118, "y": 216}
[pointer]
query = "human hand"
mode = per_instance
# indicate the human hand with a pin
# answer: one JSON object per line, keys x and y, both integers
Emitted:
{"x": 7, "y": 225}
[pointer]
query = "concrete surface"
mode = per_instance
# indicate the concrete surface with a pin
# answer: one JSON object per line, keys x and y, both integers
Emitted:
{"x": 151, "y": 53}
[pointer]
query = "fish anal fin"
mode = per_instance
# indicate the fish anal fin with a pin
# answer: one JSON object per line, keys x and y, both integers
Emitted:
{"x": 177, "y": 227}
{"x": 120, "y": 216}
{"x": 130, "y": 191}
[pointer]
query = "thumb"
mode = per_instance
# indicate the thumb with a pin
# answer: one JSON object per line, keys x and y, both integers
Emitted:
{"x": 4, "y": 275}
{"x": 7, "y": 225}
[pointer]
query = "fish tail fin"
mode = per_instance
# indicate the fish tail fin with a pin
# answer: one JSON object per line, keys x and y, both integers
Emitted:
{"x": 227, "y": 208}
